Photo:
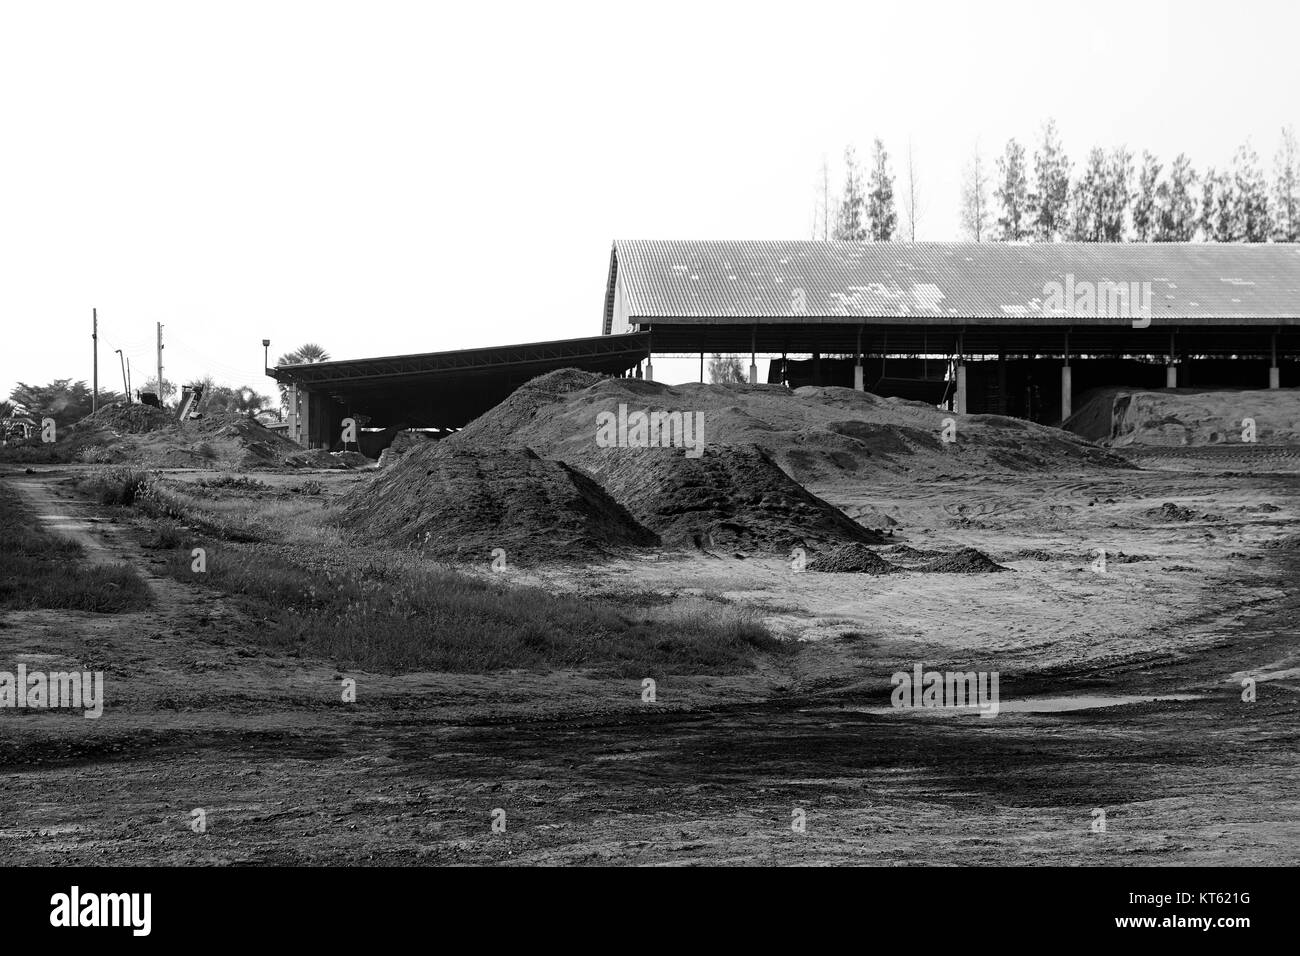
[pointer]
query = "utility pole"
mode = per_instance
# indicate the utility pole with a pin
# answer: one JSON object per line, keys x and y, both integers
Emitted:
{"x": 94, "y": 337}
{"x": 122, "y": 361}
{"x": 160, "y": 378}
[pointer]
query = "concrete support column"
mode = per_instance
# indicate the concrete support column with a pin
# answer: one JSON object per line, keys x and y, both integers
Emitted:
{"x": 1274, "y": 377}
{"x": 753, "y": 356}
{"x": 859, "y": 379}
{"x": 1171, "y": 370}
{"x": 292, "y": 399}
{"x": 961, "y": 388}
{"x": 649, "y": 371}
{"x": 1067, "y": 386}
{"x": 304, "y": 419}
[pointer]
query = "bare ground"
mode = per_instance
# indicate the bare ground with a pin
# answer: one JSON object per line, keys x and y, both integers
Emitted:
{"x": 200, "y": 715}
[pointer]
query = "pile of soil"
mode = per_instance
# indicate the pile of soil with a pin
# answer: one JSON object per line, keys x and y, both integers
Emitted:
{"x": 1172, "y": 512}
{"x": 905, "y": 552}
{"x": 1184, "y": 417}
{"x": 965, "y": 561}
{"x": 851, "y": 558}
{"x": 128, "y": 418}
{"x": 461, "y": 506}
{"x": 152, "y": 437}
{"x": 730, "y": 497}
{"x": 815, "y": 435}
{"x": 403, "y": 442}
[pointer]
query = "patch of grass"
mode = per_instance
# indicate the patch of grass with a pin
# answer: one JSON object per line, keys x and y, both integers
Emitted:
{"x": 41, "y": 570}
{"x": 233, "y": 483}
{"x": 115, "y": 486}
{"x": 401, "y": 614}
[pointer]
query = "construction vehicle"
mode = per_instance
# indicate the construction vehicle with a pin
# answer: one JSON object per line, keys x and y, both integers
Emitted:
{"x": 17, "y": 428}
{"x": 190, "y": 396}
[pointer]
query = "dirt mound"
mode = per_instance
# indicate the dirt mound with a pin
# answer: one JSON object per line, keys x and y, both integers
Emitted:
{"x": 403, "y": 442}
{"x": 1172, "y": 512}
{"x": 965, "y": 561}
{"x": 1176, "y": 418}
{"x": 815, "y": 435}
{"x": 462, "y": 506}
{"x": 130, "y": 419}
{"x": 730, "y": 497}
{"x": 905, "y": 552}
{"x": 851, "y": 558}
{"x": 151, "y": 437}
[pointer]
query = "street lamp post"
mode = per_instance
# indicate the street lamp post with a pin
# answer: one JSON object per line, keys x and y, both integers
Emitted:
{"x": 266, "y": 355}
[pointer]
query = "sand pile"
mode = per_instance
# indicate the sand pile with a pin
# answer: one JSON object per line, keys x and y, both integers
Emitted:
{"x": 461, "y": 506}
{"x": 815, "y": 435}
{"x": 851, "y": 558}
{"x": 1187, "y": 417}
{"x": 965, "y": 561}
{"x": 730, "y": 497}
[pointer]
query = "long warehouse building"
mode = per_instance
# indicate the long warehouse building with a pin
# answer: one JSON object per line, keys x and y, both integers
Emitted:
{"x": 1011, "y": 328}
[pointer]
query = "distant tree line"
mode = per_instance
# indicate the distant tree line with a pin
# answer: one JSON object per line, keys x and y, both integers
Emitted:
{"x": 1113, "y": 197}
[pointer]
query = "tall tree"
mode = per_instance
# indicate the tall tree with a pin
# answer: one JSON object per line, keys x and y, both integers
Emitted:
{"x": 882, "y": 216}
{"x": 1012, "y": 194}
{"x": 1286, "y": 189}
{"x": 1146, "y": 204}
{"x": 1220, "y": 210}
{"x": 824, "y": 206}
{"x": 1049, "y": 201}
{"x": 911, "y": 196}
{"x": 1176, "y": 217}
{"x": 1117, "y": 193}
{"x": 975, "y": 214}
{"x": 304, "y": 354}
{"x": 64, "y": 400}
{"x": 849, "y": 223}
{"x": 1251, "y": 190}
{"x": 1088, "y": 199}
{"x": 726, "y": 370}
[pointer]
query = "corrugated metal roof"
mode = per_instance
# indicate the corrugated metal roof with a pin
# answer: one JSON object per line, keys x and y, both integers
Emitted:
{"x": 714, "y": 281}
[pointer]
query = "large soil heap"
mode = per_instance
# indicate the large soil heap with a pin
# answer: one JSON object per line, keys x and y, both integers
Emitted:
{"x": 740, "y": 489}
{"x": 1187, "y": 418}
{"x": 731, "y": 497}
{"x": 815, "y": 435}
{"x": 464, "y": 505}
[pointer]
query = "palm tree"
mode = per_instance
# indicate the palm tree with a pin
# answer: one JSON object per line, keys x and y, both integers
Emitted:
{"x": 303, "y": 355}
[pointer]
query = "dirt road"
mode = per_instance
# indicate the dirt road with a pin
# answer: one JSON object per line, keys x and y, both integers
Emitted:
{"x": 717, "y": 770}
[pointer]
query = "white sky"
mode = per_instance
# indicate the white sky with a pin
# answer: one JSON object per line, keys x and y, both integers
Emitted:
{"x": 382, "y": 177}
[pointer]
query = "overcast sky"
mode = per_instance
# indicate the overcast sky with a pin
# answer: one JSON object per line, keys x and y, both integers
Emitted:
{"x": 384, "y": 177}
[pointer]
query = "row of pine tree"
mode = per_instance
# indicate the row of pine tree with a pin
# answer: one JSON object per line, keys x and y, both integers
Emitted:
{"x": 1112, "y": 198}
